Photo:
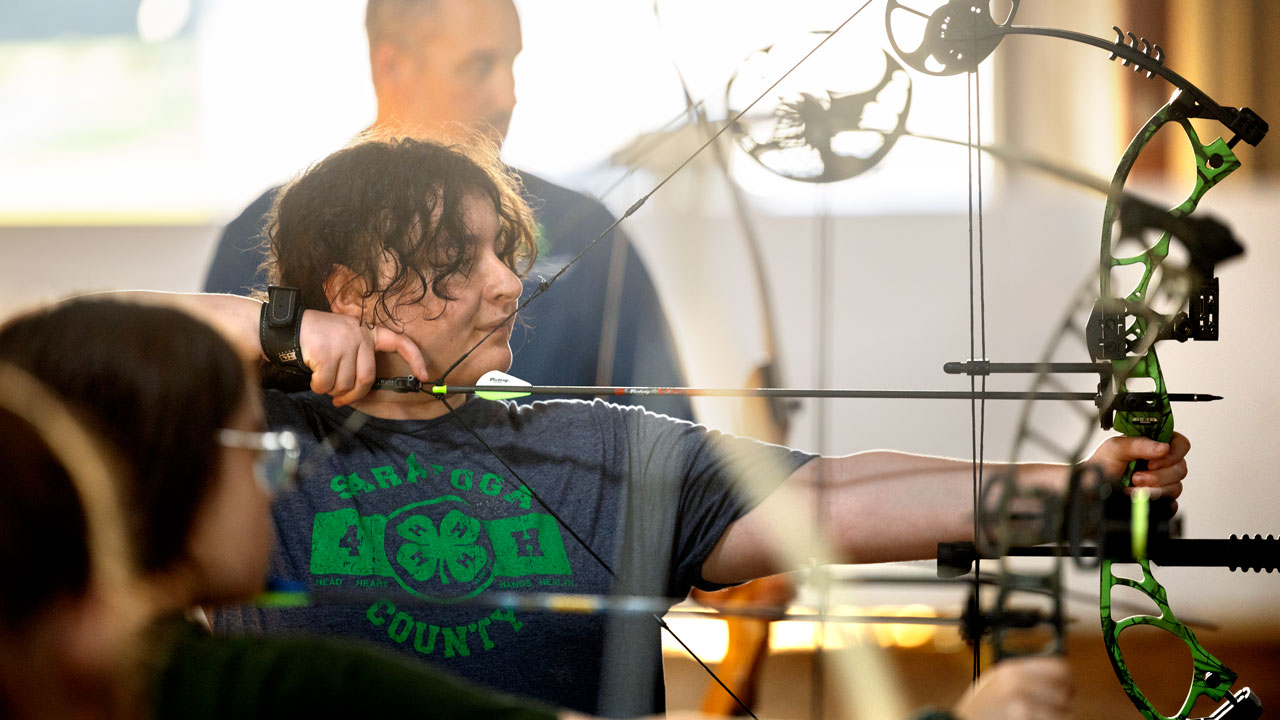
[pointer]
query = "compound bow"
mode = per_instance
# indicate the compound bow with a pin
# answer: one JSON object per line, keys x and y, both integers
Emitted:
{"x": 1121, "y": 332}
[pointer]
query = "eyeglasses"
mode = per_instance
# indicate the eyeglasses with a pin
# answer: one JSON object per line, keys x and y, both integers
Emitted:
{"x": 277, "y": 462}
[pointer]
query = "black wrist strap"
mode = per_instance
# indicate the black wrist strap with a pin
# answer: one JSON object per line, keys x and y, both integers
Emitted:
{"x": 934, "y": 714}
{"x": 279, "y": 327}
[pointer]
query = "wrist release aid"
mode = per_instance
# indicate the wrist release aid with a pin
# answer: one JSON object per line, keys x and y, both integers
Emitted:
{"x": 279, "y": 328}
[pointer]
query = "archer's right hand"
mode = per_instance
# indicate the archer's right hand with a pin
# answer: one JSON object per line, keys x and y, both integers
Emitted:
{"x": 341, "y": 354}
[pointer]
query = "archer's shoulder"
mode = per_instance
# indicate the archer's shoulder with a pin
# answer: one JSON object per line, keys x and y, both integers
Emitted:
{"x": 564, "y": 415}
{"x": 559, "y": 411}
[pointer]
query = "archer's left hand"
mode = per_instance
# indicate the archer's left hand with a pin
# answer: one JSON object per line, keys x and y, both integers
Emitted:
{"x": 1166, "y": 462}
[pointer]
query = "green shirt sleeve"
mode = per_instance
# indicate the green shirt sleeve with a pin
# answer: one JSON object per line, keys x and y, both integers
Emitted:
{"x": 227, "y": 676}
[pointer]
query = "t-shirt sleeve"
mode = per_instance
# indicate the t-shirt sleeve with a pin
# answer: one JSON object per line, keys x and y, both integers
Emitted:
{"x": 711, "y": 478}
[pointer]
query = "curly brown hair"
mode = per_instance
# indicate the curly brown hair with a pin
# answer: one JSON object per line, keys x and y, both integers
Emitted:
{"x": 396, "y": 199}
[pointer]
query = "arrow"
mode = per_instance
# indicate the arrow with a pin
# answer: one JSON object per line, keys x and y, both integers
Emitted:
{"x": 496, "y": 385}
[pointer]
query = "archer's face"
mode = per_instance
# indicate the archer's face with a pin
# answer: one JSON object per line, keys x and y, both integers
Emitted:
{"x": 457, "y": 70}
{"x": 483, "y": 297}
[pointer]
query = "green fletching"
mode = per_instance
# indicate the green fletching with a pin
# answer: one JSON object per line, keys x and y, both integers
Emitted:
{"x": 501, "y": 394}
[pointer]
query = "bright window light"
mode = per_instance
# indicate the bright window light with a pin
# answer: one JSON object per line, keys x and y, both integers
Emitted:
{"x": 189, "y": 109}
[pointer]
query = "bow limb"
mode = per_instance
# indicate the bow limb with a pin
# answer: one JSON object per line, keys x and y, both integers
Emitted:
{"x": 870, "y": 693}
{"x": 766, "y": 419}
{"x": 770, "y": 419}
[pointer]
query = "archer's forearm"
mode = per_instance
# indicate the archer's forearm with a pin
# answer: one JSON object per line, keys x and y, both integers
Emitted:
{"x": 234, "y": 316}
{"x": 884, "y": 506}
{"x": 877, "y": 506}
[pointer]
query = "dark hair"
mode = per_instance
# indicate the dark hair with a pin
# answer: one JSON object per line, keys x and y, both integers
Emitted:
{"x": 398, "y": 200}
{"x": 156, "y": 384}
{"x": 42, "y": 526}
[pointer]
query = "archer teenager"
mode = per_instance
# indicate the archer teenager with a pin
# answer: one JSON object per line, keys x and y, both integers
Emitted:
{"x": 413, "y": 509}
{"x": 443, "y": 68}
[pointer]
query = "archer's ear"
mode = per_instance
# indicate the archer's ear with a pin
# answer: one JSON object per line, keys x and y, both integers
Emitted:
{"x": 346, "y": 290}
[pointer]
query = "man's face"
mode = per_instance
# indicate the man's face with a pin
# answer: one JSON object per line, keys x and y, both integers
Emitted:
{"x": 483, "y": 298}
{"x": 456, "y": 69}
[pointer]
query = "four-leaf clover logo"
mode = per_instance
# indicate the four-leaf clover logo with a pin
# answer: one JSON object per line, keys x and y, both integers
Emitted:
{"x": 451, "y": 550}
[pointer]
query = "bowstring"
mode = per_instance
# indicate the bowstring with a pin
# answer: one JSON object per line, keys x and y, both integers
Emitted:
{"x": 977, "y": 319}
{"x": 822, "y": 371}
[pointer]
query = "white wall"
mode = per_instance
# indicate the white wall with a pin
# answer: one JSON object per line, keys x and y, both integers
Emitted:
{"x": 48, "y": 263}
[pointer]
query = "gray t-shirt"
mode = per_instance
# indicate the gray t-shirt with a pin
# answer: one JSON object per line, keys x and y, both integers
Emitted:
{"x": 408, "y": 527}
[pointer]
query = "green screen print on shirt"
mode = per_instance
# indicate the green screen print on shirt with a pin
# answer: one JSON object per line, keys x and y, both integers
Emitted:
{"x": 436, "y": 549}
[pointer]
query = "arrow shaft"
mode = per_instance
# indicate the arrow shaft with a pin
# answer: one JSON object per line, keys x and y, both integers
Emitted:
{"x": 606, "y": 391}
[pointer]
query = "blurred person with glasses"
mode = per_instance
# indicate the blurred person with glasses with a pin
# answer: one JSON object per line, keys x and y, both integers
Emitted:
{"x": 97, "y": 619}
{"x": 275, "y": 465}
